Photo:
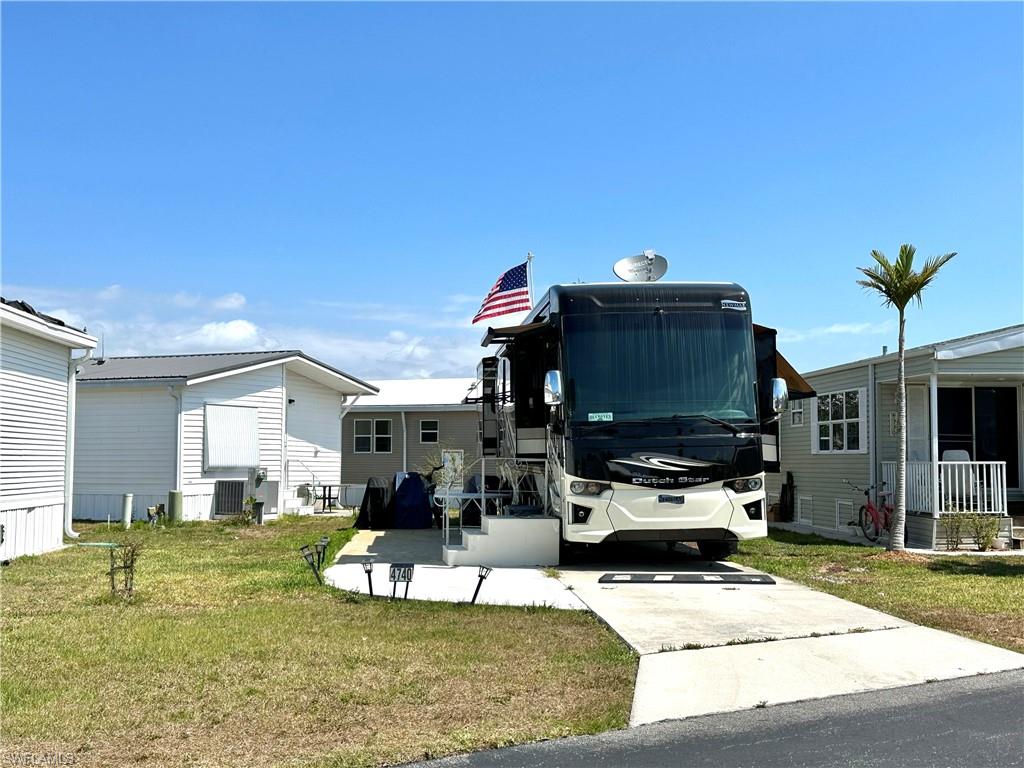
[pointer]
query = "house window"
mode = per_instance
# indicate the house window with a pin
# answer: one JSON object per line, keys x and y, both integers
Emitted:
{"x": 840, "y": 423}
{"x": 362, "y": 440}
{"x": 429, "y": 431}
{"x": 371, "y": 436}
{"x": 382, "y": 435}
{"x": 796, "y": 411}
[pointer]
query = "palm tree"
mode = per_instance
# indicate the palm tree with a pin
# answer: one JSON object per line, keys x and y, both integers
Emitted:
{"x": 898, "y": 284}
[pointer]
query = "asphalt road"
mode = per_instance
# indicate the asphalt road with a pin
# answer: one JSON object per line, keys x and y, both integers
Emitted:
{"x": 971, "y": 722}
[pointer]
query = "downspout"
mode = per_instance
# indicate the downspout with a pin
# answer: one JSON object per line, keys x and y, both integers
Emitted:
{"x": 933, "y": 418}
{"x": 346, "y": 406}
{"x": 177, "y": 437}
{"x": 872, "y": 426}
{"x": 405, "y": 446}
{"x": 69, "y": 442}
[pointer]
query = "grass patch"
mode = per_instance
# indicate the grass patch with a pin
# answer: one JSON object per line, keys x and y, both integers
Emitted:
{"x": 980, "y": 597}
{"x": 231, "y": 655}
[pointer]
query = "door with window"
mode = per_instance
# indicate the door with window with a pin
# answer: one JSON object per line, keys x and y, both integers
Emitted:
{"x": 984, "y": 422}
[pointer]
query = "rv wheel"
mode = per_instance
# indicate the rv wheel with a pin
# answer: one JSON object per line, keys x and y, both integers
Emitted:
{"x": 716, "y": 550}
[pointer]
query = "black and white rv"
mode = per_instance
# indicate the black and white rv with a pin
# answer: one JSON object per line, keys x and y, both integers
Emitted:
{"x": 652, "y": 408}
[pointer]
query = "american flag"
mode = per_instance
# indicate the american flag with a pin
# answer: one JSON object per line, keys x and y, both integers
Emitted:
{"x": 510, "y": 294}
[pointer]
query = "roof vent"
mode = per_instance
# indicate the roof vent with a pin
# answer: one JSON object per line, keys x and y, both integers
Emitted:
{"x": 885, "y": 349}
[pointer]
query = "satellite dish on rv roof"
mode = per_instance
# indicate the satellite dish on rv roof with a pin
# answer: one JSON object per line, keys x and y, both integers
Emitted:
{"x": 645, "y": 268}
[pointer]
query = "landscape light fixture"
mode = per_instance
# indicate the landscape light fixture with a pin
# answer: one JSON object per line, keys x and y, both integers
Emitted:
{"x": 307, "y": 553}
{"x": 483, "y": 573}
{"x": 368, "y": 569}
{"x": 321, "y": 551}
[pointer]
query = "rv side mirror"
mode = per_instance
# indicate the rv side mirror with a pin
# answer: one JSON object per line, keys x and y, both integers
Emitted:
{"x": 553, "y": 388}
{"x": 780, "y": 395}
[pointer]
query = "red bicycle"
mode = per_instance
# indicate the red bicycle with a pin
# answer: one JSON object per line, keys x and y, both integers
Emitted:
{"x": 872, "y": 521}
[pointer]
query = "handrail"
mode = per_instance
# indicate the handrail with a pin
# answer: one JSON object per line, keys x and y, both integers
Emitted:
{"x": 963, "y": 486}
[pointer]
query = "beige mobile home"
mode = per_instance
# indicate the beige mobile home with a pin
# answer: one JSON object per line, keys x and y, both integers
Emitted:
{"x": 965, "y": 439}
{"x": 201, "y": 424}
{"x": 37, "y": 400}
{"x": 404, "y": 425}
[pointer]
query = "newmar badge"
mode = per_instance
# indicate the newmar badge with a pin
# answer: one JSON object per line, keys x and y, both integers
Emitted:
{"x": 738, "y": 305}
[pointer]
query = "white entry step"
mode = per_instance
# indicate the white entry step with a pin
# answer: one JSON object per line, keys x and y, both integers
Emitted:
{"x": 297, "y": 506}
{"x": 508, "y": 542}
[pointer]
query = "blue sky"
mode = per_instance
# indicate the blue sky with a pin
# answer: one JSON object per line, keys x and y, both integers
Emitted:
{"x": 351, "y": 179}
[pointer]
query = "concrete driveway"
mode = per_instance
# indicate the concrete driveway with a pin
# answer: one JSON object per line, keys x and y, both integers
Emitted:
{"x": 715, "y": 646}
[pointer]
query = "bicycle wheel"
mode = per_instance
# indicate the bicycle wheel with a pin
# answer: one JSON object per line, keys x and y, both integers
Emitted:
{"x": 867, "y": 525}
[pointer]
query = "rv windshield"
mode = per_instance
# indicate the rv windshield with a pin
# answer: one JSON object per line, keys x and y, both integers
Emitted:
{"x": 659, "y": 365}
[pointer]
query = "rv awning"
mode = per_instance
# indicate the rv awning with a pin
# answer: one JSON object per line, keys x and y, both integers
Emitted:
{"x": 798, "y": 387}
{"x": 511, "y": 333}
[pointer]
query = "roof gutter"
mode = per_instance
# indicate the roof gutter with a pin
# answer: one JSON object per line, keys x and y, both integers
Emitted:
{"x": 69, "y": 443}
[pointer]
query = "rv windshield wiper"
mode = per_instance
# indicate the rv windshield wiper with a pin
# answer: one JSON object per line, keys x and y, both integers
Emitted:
{"x": 710, "y": 419}
{"x": 676, "y": 417}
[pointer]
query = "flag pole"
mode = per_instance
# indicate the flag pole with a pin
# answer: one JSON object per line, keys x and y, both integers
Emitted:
{"x": 529, "y": 275}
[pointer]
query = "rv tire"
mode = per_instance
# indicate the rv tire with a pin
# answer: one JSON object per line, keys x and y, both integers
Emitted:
{"x": 716, "y": 550}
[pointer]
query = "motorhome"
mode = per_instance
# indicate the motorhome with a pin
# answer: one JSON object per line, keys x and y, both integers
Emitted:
{"x": 649, "y": 409}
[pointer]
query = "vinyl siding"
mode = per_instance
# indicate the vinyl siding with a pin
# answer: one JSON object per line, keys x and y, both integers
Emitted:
{"x": 262, "y": 389}
{"x": 125, "y": 441}
{"x": 458, "y": 429}
{"x": 1007, "y": 361}
{"x": 313, "y": 424}
{"x": 820, "y": 476}
{"x": 31, "y": 531}
{"x": 33, "y": 420}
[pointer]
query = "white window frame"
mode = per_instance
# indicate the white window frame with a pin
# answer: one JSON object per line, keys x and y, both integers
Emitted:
{"x": 356, "y": 435}
{"x": 436, "y": 431}
{"x": 796, "y": 408}
{"x": 390, "y": 435}
{"x": 861, "y": 421}
{"x": 374, "y": 434}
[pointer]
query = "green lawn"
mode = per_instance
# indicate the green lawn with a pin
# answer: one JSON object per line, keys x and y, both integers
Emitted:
{"x": 981, "y": 597}
{"x": 231, "y": 655}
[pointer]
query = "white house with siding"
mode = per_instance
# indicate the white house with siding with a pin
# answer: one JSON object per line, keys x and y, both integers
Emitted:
{"x": 37, "y": 386}
{"x": 200, "y": 423}
{"x": 965, "y": 435}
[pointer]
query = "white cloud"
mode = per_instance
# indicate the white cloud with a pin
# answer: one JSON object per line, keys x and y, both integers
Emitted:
{"x": 68, "y": 316}
{"x": 232, "y": 300}
{"x": 230, "y": 335}
{"x": 791, "y": 335}
{"x": 185, "y": 299}
{"x": 110, "y": 293}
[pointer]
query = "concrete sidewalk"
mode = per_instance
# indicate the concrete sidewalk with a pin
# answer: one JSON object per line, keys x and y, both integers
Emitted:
{"x": 713, "y": 647}
{"x": 433, "y": 580}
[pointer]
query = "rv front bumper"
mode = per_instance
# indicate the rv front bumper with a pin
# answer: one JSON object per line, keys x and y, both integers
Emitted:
{"x": 629, "y": 513}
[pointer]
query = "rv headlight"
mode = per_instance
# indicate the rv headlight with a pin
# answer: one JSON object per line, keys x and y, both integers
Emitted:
{"x": 745, "y": 484}
{"x": 587, "y": 487}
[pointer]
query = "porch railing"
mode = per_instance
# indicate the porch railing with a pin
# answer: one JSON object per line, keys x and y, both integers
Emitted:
{"x": 964, "y": 486}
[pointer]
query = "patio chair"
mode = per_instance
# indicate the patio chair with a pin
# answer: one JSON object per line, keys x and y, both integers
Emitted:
{"x": 964, "y": 477}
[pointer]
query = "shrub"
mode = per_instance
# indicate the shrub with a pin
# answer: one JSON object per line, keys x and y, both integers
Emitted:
{"x": 248, "y": 516}
{"x": 953, "y": 529}
{"x": 984, "y": 529}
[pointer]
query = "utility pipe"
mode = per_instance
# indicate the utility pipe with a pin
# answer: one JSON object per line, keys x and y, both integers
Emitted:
{"x": 69, "y": 442}
{"x": 346, "y": 406}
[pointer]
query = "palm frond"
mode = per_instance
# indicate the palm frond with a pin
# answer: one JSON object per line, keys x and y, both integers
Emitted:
{"x": 896, "y": 282}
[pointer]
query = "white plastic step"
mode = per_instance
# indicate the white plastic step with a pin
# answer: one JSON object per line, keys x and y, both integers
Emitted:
{"x": 509, "y": 542}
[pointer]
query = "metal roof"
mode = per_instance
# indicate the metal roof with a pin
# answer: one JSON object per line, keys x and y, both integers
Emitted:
{"x": 418, "y": 394}
{"x": 185, "y": 368}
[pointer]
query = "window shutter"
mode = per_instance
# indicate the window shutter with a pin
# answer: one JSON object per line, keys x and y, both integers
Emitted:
{"x": 232, "y": 439}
